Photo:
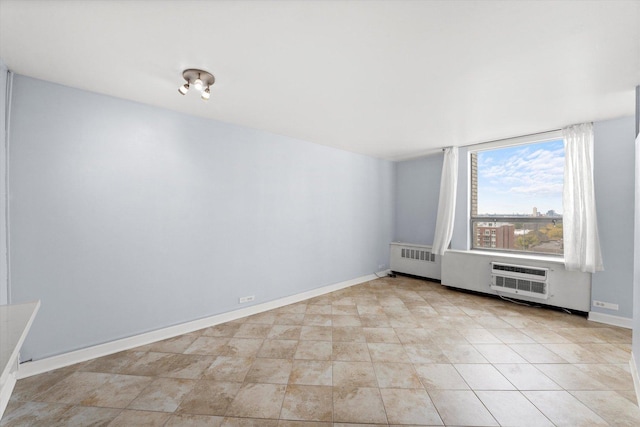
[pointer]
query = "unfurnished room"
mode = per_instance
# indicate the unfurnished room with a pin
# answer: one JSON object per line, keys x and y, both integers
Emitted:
{"x": 319, "y": 213}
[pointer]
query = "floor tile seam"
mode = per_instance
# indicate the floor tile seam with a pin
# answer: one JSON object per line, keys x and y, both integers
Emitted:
{"x": 546, "y": 345}
{"x": 487, "y": 408}
{"x": 71, "y": 406}
{"x": 497, "y": 370}
{"x": 452, "y": 365}
{"x": 525, "y": 358}
{"x": 439, "y": 412}
{"x": 570, "y": 394}
{"x": 295, "y": 351}
{"x": 400, "y": 388}
{"x": 196, "y": 381}
{"x": 603, "y": 388}
{"x": 452, "y": 362}
{"x": 37, "y": 398}
{"x": 333, "y": 409}
{"x": 375, "y": 374}
{"x": 152, "y": 379}
{"x": 284, "y": 396}
{"x": 333, "y": 391}
{"x": 236, "y": 417}
{"x": 620, "y": 366}
{"x": 6, "y": 421}
{"x": 129, "y": 408}
{"x": 45, "y": 390}
{"x": 412, "y": 367}
{"x": 228, "y": 407}
{"x": 534, "y": 367}
{"x": 479, "y": 351}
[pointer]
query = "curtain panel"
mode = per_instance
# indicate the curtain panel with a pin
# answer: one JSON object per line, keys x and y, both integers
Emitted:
{"x": 581, "y": 241}
{"x": 446, "y": 201}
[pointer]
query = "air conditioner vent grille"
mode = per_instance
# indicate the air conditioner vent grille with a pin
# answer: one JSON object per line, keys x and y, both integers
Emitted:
{"x": 539, "y": 287}
{"x": 520, "y": 269}
{"x": 521, "y": 285}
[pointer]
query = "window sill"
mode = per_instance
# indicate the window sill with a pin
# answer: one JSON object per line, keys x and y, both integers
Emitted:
{"x": 530, "y": 257}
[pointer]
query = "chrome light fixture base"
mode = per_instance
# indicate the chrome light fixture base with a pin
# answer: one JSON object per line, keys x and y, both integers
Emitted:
{"x": 192, "y": 74}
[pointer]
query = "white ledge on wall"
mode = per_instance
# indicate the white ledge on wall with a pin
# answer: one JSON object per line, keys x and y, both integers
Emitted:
{"x": 15, "y": 322}
{"x": 634, "y": 376}
{"x": 514, "y": 256}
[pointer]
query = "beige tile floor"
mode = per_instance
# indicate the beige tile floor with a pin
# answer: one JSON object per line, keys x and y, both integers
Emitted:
{"x": 394, "y": 351}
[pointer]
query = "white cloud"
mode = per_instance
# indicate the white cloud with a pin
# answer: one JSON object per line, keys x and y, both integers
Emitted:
{"x": 514, "y": 180}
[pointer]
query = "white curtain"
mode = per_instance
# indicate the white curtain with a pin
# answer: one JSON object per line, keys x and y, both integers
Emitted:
{"x": 581, "y": 242}
{"x": 446, "y": 201}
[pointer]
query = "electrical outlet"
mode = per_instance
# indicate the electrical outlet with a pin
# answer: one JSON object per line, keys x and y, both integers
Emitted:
{"x": 607, "y": 305}
{"x": 247, "y": 299}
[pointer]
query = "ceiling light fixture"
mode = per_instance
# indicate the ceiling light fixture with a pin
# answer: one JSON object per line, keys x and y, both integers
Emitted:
{"x": 199, "y": 79}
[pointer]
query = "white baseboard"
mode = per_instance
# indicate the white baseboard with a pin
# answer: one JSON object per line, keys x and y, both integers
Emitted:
{"x": 609, "y": 319}
{"x": 635, "y": 377}
{"x": 66, "y": 359}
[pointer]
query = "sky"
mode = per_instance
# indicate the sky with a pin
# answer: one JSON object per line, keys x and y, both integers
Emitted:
{"x": 514, "y": 180}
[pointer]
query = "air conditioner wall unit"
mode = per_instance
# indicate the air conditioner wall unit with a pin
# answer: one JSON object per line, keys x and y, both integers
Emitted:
{"x": 521, "y": 280}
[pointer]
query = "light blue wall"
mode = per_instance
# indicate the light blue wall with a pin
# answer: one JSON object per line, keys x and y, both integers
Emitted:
{"x": 126, "y": 218}
{"x": 3, "y": 186}
{"x": 614, "y": 188}
{"x": 417, "y": 192}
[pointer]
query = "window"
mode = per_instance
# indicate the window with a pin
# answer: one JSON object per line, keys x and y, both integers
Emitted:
{"x": 516, "y": 197}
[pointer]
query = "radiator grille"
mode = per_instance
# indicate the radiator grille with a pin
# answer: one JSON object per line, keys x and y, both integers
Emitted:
{"x": 418, "y": 254}
{"x": 417, "y": 260}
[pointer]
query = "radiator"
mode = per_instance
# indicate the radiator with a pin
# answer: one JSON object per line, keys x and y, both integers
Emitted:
{"x": 489, "y": 272}
{"x": 520, "y": 279}
{"x": 417, "y": 260}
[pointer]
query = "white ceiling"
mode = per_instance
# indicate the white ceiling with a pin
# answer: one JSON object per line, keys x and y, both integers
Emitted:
{"x": 389, "y": 79}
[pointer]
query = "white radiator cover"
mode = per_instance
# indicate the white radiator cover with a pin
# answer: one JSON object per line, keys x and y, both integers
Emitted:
{"x": 472, "y": 270}
{"x": 414, "y": 259}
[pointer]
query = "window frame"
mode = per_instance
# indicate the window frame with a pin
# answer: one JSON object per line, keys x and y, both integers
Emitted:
{"x": 473, "y": 194}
